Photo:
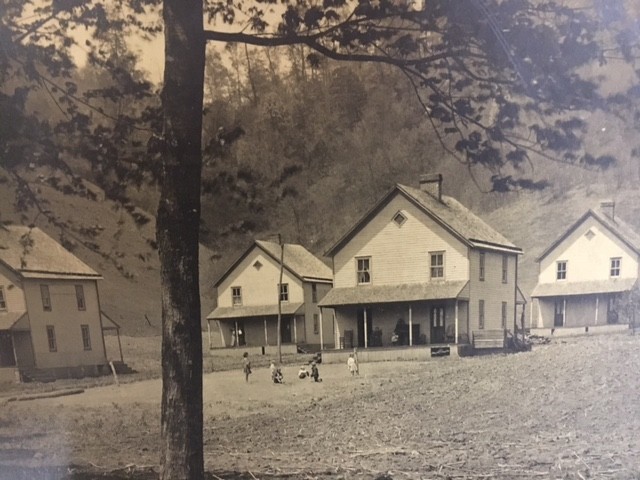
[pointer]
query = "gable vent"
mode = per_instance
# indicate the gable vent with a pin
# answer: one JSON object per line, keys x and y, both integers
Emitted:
{"x": 399, "y": 218}
{"x": 589, "y": 234}
{"x": 257, "y": 265}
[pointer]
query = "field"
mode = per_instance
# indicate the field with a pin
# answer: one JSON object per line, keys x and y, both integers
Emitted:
{"x": 565, "y": 410}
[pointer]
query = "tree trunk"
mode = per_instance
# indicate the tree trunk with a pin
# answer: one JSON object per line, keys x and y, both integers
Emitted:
{"x": 178, "y": 237}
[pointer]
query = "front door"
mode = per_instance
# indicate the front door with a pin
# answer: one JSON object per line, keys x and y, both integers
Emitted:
{"x": 437, "y": 324}
{"x": 285, "y": 330}
{"x": 558, "y": 315}
{"x": 361, "y": 315}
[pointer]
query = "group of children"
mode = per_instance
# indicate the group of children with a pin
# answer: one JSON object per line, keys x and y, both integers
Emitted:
{"x": 314, "y": 374}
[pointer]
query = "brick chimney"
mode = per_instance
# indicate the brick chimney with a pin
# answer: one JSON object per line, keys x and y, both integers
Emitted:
{"x": 608, "y": 207}
{"x": 432, "y": 184}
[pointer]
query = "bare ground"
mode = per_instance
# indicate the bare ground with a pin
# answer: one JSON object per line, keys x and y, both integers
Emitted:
{"x": 566, "y": 410}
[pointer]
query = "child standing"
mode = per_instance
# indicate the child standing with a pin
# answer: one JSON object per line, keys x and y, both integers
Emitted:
{"x": 246, "y": 366}
{"x": 315, "y": 374}
{"x": 352, "y": 365}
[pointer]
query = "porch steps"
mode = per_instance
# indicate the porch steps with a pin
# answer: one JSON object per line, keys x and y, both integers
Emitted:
{"x": 122, "y": 368}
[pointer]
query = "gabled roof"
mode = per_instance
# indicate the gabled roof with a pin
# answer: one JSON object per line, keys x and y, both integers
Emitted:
{"x": 298, "y": 261}
{"x": 447, "y": 212}
{"x": 29, "y": 252}
{"x": 617, "y": 226}
{"x": 11, "y": 320}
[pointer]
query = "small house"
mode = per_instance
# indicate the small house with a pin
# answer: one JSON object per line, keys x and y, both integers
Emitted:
{"x": 50, "y": 320}
{"x": 584, "y": 274}
{"x": 250, "y": 292}
{"x": 419, "y": 268}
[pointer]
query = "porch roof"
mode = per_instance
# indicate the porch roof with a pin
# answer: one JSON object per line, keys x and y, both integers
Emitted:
{"x": 221, "y": 313}
{"x": 9, "y": 321}
{"x": 560, "y": 289}
{"x": 407, "y": 292}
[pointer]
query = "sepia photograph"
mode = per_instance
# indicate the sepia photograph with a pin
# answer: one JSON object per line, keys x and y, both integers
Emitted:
{"x": 319, "y": 239}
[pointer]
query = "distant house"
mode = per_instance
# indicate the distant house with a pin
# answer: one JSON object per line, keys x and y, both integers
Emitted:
{"x": 50, "y": 320}
{"x": 420, "y": 268}
{"x": 248, "y": 293}
{"x": 583, "y": 273}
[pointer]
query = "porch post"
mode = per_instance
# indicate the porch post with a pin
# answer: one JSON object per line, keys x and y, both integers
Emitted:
{"x": 321, "y": 333}
{"x": 295, "y": 330}
{"x": 266, "y": 335}
{"x": 209, "y": 332}
{"x": 456, "y": 324}
{"x": 564, "y": 311}
{"x": 235, "y": 334}
{"x": 597, "y": 301}
{"x": 410, "y": 327}
{"x": 336, "y": 332}
{"x": 531, "y": 313}
{"x": 13, "y": 347}
{"x": 224, "y": 343}
{"x": 366, "y": 343}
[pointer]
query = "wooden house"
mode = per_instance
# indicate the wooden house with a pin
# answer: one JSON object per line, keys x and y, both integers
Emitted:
{"x": 421, "y": 269}
{"x": 585, "y": 271}
{"x": 249, "y": 291}
{"x": 50, "y": 320}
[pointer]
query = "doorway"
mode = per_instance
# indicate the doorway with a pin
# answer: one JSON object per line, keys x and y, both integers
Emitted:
{"x": 437, "y": 324}
{"x": 361, "y": 315}
{"x": 558, "y": 313}
{"x": 285, "y": 330}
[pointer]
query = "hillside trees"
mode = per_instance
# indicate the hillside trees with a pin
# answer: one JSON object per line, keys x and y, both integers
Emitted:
{"x": 498, "y": 81}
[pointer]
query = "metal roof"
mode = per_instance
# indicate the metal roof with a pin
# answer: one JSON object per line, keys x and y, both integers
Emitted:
{"x": 408, "y": 292}
{"x": 29, "y": 251}
{"x": 448, "y": 212}
{"x": 560, "y": 289}
{"x": 299, "y": 261}
{"x": 221, "y": 313}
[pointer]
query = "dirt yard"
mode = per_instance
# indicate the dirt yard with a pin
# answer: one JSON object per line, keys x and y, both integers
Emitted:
{"x": 566, "y": 410}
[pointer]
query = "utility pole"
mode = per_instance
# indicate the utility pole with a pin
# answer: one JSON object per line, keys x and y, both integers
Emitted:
{"x": 280, "y": 300}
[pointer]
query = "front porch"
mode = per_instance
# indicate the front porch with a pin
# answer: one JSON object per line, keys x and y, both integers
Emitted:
{"x": 405, "y": 353}
{"x": 16, "y": 349}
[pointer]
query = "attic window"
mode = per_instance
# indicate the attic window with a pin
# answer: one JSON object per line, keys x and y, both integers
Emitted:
{"x": 589, "y": 234}
{"x": 399, "y": 218}
{"x": 257, "y": 265}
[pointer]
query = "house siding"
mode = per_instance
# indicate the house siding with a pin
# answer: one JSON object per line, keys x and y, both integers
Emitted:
{"x": 66, "y": 319}
{"x": 13, "y": 292}
{"x": 589, "y": 259}
{"x": 311, "y": 308}
{"x": 400, "y": 254}
{"x": 259, "y": 286}
{"x": 492, "y": 290}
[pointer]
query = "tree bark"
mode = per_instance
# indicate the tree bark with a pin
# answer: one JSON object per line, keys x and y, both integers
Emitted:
{"x": 177, "y": 233}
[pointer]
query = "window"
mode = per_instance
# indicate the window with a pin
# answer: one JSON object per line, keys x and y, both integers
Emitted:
{"x": 86, "y": 337}
{"x": 236, "y": 296}
{"x": 399, "y": 219}
{"x": 504, "y": 314}
{"x": 316, "y": 324}
{"x": 615, "y": 267}
{"x": 505, "y": 268}
{"x": 363, "y": 267}
{"x": 284, "y": 292}
{"x": 481, "y": 314}
{"x": 80, "y": 298}
{"x": 314, "y": 293}
{"x": 51, "y": 338}
{"x": 3, "y": 301}
{"x": 482, "y": 266}
{"x": 46, "y": 298}
{"x": 437, "y": 264}
{"x": 561, "y": 271}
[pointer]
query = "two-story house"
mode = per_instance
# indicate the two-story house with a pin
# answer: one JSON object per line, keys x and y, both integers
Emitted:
{"x": 584, "y": 272}
{"x": 249, "y": 291}
{"x": 50, "y": 321}
{"x": 420, "y": 268}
